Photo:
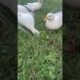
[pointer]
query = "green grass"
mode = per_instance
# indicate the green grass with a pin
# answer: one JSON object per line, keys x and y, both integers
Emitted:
{"x": 40, "y": 57}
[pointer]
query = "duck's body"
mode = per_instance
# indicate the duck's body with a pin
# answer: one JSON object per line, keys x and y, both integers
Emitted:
{"x": 34, "y": 6}
{"x": 23, "y": 9}
{"x": 54, "y": 21}
{"x": 27, "y": 20}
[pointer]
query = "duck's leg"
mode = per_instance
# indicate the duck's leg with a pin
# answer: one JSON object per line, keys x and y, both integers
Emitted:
{"x": 21, "y": 28}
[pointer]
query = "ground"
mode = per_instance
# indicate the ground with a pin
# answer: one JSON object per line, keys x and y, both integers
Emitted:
{"x": 40, "y": 58}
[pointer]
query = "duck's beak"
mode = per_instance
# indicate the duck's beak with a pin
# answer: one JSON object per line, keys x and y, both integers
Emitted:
{"x": 46, "y": 18}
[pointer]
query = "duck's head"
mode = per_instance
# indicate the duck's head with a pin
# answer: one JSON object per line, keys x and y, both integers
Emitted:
{"x": 49, "y": 16}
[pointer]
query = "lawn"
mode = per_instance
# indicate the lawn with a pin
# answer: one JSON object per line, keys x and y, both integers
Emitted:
{"x": 40, "y": 58}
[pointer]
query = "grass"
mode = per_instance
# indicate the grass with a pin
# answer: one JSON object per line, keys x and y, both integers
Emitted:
{"x": 40, "y": 57}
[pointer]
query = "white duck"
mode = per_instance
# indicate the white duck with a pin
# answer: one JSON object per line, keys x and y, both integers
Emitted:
{"x": 34, "y": 6}
{"x": 53, "y": 21}
{"x": 27, "y": 20}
